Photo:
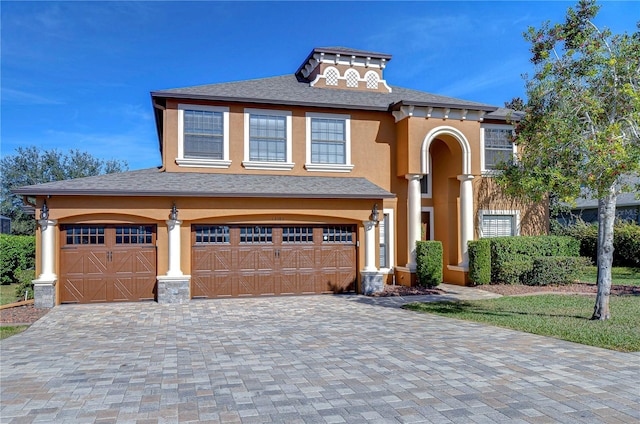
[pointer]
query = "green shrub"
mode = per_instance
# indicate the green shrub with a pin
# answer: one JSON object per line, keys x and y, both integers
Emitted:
{"x": 25, "y": 278}
{"x": 587, "y": 236}
{"x": 555, "y": 270}
{"x": 429, "y": 263}
{"x": 16, "y": 253}
{"x": 626, "y": 244}
{"x": 480, "y": 261}
{"x": 513, "y": 255}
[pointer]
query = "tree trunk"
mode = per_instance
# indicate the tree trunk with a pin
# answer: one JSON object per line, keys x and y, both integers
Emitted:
{"x": 606, "y": 219}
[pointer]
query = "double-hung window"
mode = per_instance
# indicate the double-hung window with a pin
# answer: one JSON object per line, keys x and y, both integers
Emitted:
{"x": 203, "y": 136}
{"x": 328, "y": 142}
{"x": 497, "y": 146}
{"x": 267, "y": 139}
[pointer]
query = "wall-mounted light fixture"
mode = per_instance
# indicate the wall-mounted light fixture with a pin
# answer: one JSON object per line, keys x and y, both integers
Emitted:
{"x": 44, "y": 211}
{"x": 174, "y": 213}
{"x": 375, "y": 214}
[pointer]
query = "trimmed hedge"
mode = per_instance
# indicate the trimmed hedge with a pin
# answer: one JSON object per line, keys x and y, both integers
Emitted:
{"x": 16, "y": 253}
{"x": 626, "y": 241}
{"x": 480, "y": 261}
{"x": 555, "y": 270}
{"x": 512, "y": 257}
{"x": 429, "y": 263}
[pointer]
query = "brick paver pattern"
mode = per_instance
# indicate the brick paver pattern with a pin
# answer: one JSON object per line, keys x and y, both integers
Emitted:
{"x": 314, "y": 359}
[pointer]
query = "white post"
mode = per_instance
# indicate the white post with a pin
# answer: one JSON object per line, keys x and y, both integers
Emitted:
{"x": 466, "y": 216}
{"x": 174, "y": 248}
{"x": 414, "y": 208}
{"x": 369, "y": 246}
{"x": 47, "y": 251}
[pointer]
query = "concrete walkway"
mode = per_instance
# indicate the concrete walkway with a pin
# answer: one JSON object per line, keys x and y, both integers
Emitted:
{"x": 316, "y": 359}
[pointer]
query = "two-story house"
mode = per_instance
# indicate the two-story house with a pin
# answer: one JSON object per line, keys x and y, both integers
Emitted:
{"x": 320, "y": 181}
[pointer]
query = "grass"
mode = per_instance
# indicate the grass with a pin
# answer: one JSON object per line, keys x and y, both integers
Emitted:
{"x": 619, "y": 275}
{"x": 564, "y": 317}
{"x": 11, "y": 330}
{"x": 8, "y": 293}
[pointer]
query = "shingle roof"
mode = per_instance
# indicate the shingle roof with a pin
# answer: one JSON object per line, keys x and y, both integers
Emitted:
{"x": 289, "y": 90}
{"x": 153, "y": 182}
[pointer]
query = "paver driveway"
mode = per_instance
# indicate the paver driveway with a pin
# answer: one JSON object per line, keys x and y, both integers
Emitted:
{"x": 302, "y": 359}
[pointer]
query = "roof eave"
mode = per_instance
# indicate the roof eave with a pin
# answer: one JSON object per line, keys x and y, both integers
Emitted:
{"x": 398, "y": 105}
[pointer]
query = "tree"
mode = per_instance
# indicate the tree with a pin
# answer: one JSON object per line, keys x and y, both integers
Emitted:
{"x": 31, "y": 165}
{"x": 516, "y": 104}
{"x": 580, "y": 131}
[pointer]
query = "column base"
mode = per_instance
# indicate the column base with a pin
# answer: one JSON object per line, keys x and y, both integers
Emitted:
{"x": 406, "y": 276}
{"x": 371, "y": 282}
{"x": 44, "y": 293}
{"x": 174, "y": 289}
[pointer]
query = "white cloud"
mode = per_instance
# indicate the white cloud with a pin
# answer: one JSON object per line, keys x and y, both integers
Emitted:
{"x": 12, "y": 96}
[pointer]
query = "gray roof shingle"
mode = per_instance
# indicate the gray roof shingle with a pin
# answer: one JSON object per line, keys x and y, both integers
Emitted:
{"x": 289, "y": 90}
{"x": 153, "y": 182}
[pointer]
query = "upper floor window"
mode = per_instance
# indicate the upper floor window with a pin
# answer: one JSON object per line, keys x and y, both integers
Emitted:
{"x": 328, "y": 142}
{"x": 372, "y": 79}
{"x": 267, "y": 139}
{"x": 331, "y": 76}
{"x": 203, "y": 136}
{"x": 497, "y": 146}
{"x": 352, "y": 78}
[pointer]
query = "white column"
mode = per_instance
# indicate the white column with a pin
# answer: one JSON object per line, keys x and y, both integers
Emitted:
{"x": 466, "y": 215}
{"x": 369, "y": 246}
{"x": 174, "y": 248}
{"x": 47, "y": 251}
{"x": 414, "y": 209}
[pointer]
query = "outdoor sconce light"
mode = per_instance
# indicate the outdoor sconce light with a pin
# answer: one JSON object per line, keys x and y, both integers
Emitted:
{"x": 375, "y": 214}
{"x": 44, "y": 211}
{"x": 174, "y": 213}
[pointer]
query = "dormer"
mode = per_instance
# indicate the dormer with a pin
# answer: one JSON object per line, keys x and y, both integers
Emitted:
{"x": 345, "y": 69}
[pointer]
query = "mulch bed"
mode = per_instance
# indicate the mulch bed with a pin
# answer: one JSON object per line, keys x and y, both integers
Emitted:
{"x": 390, "y": 291}
{"x": 21, "y": 315}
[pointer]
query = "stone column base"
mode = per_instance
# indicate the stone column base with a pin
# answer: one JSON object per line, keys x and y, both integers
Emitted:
{"x": 174, "y": 289}
{"x": 44, "y": 293}
{"x": 371, "y": 282}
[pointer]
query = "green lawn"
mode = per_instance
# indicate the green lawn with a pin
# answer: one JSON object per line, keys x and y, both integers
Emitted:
{"x": 10, "y": 331}
{"x": 562, "y": 316}
{"x": 619, "y": 275}
{"x": 8, "y": 294}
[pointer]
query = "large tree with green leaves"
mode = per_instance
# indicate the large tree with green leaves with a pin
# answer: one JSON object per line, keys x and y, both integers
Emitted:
{"x": 31, "y": 165}
{"x": 580, "y": 134}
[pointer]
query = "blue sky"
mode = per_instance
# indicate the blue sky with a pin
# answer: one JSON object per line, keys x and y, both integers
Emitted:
{"x": 79, "y": 74}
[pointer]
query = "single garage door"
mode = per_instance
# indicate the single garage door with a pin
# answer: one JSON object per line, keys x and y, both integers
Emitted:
{"x": 254, "y": 260}
{"x": 107, "y": 263}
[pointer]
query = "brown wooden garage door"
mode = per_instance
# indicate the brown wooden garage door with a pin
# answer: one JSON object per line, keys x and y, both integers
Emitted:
{"x": 107, "y": 263}
{"x": 265, "y": 260}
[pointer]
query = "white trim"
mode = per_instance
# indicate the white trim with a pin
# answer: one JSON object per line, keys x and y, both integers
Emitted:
{"x": 329, "y": 167}
{"x": 391, "y": 235}
{"x": 431, "y": 220}
{"x": 425, "y": 157}
{"x": 225, "y": 162}
{"x": 429, "y": 193}
{"x": 489, "y": 212}
{"x": 267, "y": 165}
{"x": 489, "y": 172}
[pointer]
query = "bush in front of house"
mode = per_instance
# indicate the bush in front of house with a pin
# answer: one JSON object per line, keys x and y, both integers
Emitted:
{"x": 24, "y": 290}
{"x": 429, "y": 263}
{"x": 555, "y": 270}
{"x": 512, "y": 257}
{"x": 16, "y": 253}
{"x": 480, "y": 261}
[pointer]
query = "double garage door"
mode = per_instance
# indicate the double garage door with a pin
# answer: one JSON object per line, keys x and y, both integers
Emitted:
{"x": 253, "y": 260}
{"x": 117, "y": 263}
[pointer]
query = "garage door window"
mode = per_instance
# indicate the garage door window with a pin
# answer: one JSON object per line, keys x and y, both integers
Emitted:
{"x": 212, "y": 234}
{"x": 134, "y": 235}
{"x": 337, "y": 235}
{"x": 253, "y": 235}
{"x": 86, "y": 234}
{"x": 297, "y": 235}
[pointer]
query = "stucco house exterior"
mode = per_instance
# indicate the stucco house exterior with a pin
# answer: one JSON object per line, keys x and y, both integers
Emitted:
{"x": 320, "y": 181}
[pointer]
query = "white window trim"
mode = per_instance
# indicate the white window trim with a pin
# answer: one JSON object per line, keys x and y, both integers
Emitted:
{"x": 225, "y": 162}
{"x": 329, "y": 167}
{"x": 489, "y": 172}
{"x": 391, "y": 235}
{"x": 266, "y": 165}
{"x": 429, "y": 193}
{"x": 431, "y": 221}
{"x": 489, "y": 212}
